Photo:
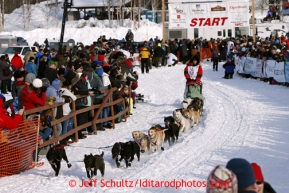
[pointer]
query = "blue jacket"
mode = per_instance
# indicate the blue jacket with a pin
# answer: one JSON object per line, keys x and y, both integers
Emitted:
{"x": 31, "y": 68}
{"x": 229, "y": 67}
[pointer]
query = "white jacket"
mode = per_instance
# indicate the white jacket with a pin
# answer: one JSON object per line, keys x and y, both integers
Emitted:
{"x": 105, "y": 79}
{"x": 66, "y": 106}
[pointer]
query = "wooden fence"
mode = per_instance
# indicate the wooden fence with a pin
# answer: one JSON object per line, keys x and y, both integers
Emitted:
{"x": 95, "y": 112}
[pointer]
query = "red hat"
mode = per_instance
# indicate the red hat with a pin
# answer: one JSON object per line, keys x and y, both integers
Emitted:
{"x": 105, "y": 64}
{"x": 128, "y": 62}
{"x": 257, "y": 172}
{"x": 16, "y": 52}
{"x": 45, "y": 50}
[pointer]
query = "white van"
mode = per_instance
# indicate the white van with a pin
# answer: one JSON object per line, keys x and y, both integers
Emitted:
{"x": 22, "y": 50}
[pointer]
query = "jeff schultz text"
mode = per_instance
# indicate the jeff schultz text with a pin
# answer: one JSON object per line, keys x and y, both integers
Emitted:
{"x": 143, "y": 183}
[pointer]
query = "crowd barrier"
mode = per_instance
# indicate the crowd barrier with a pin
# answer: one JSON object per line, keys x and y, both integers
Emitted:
{"x": 17, "y": 145}
{"x": 263, "y": 68}
{"x": 205, "y": 53}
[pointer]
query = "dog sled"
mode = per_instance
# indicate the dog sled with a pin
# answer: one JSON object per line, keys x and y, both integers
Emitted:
{"x": 193, "y": 96}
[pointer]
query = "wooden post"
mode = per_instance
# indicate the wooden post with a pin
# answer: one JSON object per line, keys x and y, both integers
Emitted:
{"x": 253, "y": 21}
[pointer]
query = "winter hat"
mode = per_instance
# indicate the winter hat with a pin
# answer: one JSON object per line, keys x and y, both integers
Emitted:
{"x": 99, "y": 70}
{"x": 278, "y": 50}
{"x": 45, "y": 50}
{"x": 56, "y": 84}
{"x": 195, "y": 58}
{"x": 106, "y": 69}
{"x": 51, "y": 62}
{"x": 105, "y": 64}
{"x": 62, "y": 79}
{"x": 31, "y": 58}
{"x": 222, "y": 180}
{"x": 37, "y": 83}
{"x": 19, "y": 74}
{"x": 71, "y": 77}
{"x": 128, "y": 62}
{"x": 257, "y": 172}
{"x": 243, "y": 170}
{"x": 16, "y": 53}
{"x": 45, "y": 82}
{"x": 77, "y": 65}
{"x": 30, "y": 77}
{"x": 100, "y": 57}
{"x": 61, "y": 71}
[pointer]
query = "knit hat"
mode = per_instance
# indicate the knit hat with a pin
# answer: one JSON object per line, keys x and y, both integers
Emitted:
{"x": 222, "y": 180}
{"x": 30, "y": 77}
{"x": 195, "y": 58}
{"x": 16, "y": 53}
{"x": 56, "y": 84}
{"x": 51, "y": 62}
{"x": 31, "y": 58}
{"x": 37, "y": 83}
{"x": 71, "y": 77}
{"x": 257, "y": 172}
{"x": 106, "y": 69}
{"x": 45, "y": 82}
{"x": 243, "y": 170}
{"x": 128, "y": 62}
{"x": 62, "y": 79}
{"x": 77, "y": 65}
{"x": 45, "y": 50}
{"x": 99, "y": 70}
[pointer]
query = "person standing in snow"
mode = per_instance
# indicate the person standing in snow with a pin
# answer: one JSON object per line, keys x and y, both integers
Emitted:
{"x": 46, "y": 43}
{"x": 17, "y": 62}
{"x": 31, "y": 67}
{"x": 229, "y": 67}
{"x": 215, "y": 58}
{"x": 6, "y": 121}
{"x": 129, "y": 38}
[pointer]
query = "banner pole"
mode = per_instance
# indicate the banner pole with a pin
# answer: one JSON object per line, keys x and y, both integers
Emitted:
{"x": 253, "y": 21}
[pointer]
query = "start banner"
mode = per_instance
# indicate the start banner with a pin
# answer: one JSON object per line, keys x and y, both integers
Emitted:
{"x": 204, "y": 15}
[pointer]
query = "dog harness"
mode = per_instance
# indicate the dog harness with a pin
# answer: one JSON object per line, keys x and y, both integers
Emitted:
{"x": 138, "y": 141}
{"x": 59, "y": 147}
{"x": 98, "y": 157}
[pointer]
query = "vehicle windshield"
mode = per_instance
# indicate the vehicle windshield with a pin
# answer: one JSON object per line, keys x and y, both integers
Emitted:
{"x": 11, "y": 50}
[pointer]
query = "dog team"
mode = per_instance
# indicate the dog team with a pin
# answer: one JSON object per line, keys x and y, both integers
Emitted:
{"x": 181, "y": 121}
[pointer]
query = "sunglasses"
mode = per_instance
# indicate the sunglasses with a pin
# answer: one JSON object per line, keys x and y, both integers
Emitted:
{"x": 259, "y": 182}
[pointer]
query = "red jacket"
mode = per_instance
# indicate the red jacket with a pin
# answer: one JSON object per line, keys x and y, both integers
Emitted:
{"x": 31, "y": 100}
{"x": 193, "y": 74}
{"x": 7, "y": 122}
{"x": 17, "y": 62}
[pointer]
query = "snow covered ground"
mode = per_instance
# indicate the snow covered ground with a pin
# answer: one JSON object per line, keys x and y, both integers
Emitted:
{"x": 243, "y": 118}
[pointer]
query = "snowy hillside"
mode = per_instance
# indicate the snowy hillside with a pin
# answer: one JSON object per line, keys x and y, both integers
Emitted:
{"x": 44, "y": 25}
